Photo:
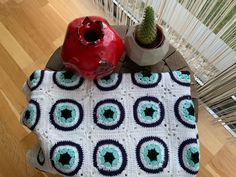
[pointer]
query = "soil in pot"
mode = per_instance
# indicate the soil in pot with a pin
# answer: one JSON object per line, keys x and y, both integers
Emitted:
{"x": 158, "y": 41}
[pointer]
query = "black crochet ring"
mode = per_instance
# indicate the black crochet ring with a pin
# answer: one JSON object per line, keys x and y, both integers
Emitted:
{"x": 109, "y": 157}
{"x": 40, "y": 157}
{"x": 181, "y": 77}
{"x": 146, "y": 79}
{"x": 67, "y": 80}
{"x": 148, "y": 111}
{"x": 185, "y": 112}
{"x": 66, "y": 114}
{"x": 188, "y": 154}
{"x": 152, "y": 154}
{"x": 35, "y": 79}
{"x": 31, "y": 114}
{"x": 108, "y": 114}
{"x": 109, "y": 82}
{"x": 66, "y": 157}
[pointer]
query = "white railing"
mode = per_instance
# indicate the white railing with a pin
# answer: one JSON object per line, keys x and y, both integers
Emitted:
{"x": 204, "y": 31}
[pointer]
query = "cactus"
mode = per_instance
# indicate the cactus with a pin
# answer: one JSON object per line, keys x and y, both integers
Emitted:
{"x": 146, "y": 32}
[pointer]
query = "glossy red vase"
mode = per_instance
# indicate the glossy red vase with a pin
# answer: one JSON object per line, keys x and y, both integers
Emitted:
{"x": 91, "y": 47}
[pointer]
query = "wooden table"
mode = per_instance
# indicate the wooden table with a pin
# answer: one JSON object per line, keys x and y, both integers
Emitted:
{"x": 171, "y": 62}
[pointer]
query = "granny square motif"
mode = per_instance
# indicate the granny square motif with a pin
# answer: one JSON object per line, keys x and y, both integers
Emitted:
{"x": 137, "y": 125}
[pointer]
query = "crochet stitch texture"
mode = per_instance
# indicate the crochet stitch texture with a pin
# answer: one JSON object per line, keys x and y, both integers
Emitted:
{"x": 137, "y": 125}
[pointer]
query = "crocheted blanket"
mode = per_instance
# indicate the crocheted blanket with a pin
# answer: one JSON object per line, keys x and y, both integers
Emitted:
{"x": 136, "y": 125}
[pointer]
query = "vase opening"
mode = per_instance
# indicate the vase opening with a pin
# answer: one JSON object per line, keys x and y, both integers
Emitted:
{"x": 91, "y": 36}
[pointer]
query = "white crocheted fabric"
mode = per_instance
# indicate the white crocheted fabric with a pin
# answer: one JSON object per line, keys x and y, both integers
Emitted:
{"x": 135, "y": 125}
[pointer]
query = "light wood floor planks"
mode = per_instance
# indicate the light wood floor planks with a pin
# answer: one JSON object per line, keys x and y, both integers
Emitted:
{"x": 30, "y": 30}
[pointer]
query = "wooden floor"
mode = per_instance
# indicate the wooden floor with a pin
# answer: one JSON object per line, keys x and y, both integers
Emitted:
{"x": 30, "y": 30}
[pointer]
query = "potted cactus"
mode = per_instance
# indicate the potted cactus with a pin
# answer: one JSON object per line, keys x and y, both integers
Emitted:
{"x": 146, "y": 43}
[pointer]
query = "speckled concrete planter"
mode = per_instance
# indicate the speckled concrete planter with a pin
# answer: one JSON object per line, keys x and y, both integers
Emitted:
{"x": 144, "y": 56}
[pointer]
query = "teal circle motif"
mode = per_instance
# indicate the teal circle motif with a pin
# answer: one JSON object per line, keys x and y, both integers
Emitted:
{"x": 185, "y": 111}
{"x": 146, "y": 79}
{"x": 150, "y": 150}
{"x": 109, "y": 157}
{"x": 109, "y": 82}
{"x": 141, "y": 76}
{"x": 66, "y": 157}
{"x": 181, "y": 77}
{"x": 152, "y": 155}
{"x": 189, "y": 156}
{"x": 66, "y": 114}
{"x": 68, "y": 153}
{"x": 148, "y": 111}
{"x": 35, "y": 79}
{"x": 31, "y": 114}
{"x": 108, "y": 114}
{"x": 60, "y": 118}
{"x": 31, "y": 110}
{"x": 67, "y": 80}
{"x": 189, "y": 159}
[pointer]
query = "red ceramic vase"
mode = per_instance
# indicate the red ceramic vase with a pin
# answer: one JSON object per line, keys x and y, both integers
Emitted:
{"x": 91, "y": 47}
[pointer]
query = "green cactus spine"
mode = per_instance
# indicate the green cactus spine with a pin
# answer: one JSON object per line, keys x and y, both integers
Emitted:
{"x": 146, "y": 32}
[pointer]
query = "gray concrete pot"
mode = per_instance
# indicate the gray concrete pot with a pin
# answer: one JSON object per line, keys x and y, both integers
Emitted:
{"x": 144, "y": 56}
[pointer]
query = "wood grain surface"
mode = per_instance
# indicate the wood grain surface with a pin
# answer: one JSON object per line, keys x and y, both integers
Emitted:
{"x": 30, "y": 31}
